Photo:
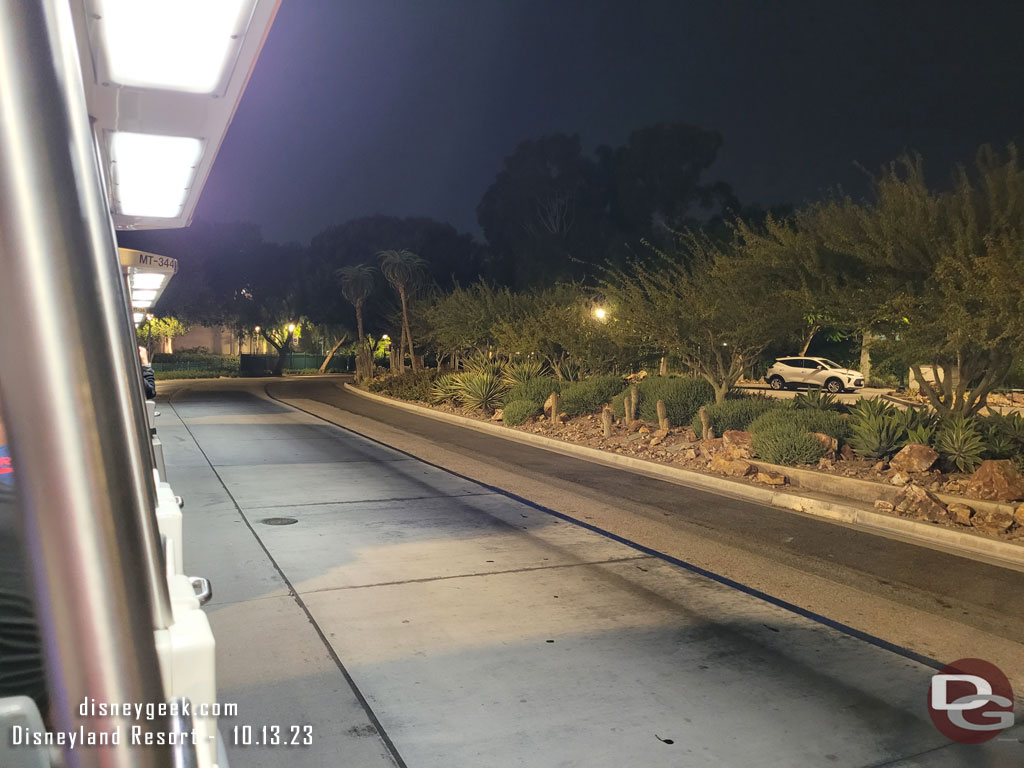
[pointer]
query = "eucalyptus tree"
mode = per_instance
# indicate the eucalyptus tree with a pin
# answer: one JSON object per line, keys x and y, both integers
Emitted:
{"x": 405, "y": 271}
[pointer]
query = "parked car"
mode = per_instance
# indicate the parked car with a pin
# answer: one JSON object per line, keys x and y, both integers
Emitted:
{"x": 788, "y": 372}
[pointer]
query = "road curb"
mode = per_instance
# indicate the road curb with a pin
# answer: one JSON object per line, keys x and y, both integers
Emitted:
{"x": 835, "y": 510}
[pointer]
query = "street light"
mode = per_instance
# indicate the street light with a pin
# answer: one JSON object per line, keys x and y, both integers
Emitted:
{"x": 291, "y": 327}
{"x": 601, "y": 313}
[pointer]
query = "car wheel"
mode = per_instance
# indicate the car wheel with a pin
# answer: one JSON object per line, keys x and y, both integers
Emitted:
{"x": 776, "y": 383}
{"x": 835, "y": 386}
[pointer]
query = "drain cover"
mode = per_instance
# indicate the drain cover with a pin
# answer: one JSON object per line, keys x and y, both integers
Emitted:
{"x": 279, "y": 521}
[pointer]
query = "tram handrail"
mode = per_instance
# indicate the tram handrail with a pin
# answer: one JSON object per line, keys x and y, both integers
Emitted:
{"x": 83, "y": 497}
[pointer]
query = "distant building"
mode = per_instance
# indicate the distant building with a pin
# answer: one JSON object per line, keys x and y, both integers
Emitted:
{"x": 218, "y": 341}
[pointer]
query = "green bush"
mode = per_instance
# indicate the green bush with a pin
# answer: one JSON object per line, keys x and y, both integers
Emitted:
{"x": 444, "y": 388}
{"x": 783, "y": 442}
{"x": 827, "y": 422}
{"x": 959, "y": 442}
{"x": 480, "y": 391}
{"x": 411, "y": 385}
{"x": 536, "y": 390}
{"x": 738, "y": 413}
{"x": 589, "y": 395}
{"x": 517, "y": 412}
{"x": 225, "y": 365}
{"x": 878, "y": 436}
{"x": 522, "y": 371}
{"x": 169, "y": 375}
{"x": 683, "y": 395}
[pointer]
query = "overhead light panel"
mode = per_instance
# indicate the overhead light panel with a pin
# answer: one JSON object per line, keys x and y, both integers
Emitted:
{"x": 180, "y": 45}
{"x": 152, "y": 174}
{"x": 144, "y": 295}
{"x": 147, "y": 281}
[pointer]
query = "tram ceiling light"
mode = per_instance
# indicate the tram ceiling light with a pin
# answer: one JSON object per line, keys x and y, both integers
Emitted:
{"x": 140, "y": 304}
{"x": 147, "y": 296}
{"x": 178, "y": 45}
{"x": 152, "y": 174}
{"x": 138, "y": 317}
{"x": 147, "y": 281}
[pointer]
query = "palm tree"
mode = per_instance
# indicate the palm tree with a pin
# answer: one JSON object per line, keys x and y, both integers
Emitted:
{"x": 356, "y": 286}
{"x": 404, "y": 270}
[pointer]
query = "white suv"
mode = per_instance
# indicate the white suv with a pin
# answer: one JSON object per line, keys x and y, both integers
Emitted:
{"x": 812, "y": 372}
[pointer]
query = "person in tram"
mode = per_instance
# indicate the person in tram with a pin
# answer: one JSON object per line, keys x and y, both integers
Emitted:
{"x": 148, "y": 378}
{"x": 21, "y": 656}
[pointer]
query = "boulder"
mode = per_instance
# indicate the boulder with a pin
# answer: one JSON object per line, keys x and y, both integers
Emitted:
{"x": 689, "y": 435}
{"x": 737, "y": 443}
{"x": 770, "y": 478}
{"x": 960, "y": 514}
{"x": 915, "y": 501}
{"x": 996, "y": 480}
{"x": 898, "y": 478}
{"x": 884, "y": 506}
{"x": 688, "y": 453}
{"x": 497, "y": 415}
{"x": 846, "y": 453}
{"x": 914, "y": 457}
{"x": 830, "y": 444}
{"x": 1018, "y": 515}
{"x": 992, "y": 520}
{"x": 878, "y": 467}
{"x": 644, "y": 429}
{"x": 659, "y": 437}
{"x": 549, "y": 403}
{"x": 721, "y": 462}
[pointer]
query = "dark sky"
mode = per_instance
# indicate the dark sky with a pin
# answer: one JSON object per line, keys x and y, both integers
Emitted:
{"x": 408, "y": 107}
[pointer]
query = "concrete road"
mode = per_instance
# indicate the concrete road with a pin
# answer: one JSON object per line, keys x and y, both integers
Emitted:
{"x": 419, "y": 617}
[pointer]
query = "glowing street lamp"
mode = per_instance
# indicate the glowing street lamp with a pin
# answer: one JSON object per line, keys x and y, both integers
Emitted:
{"x": 601, "y": 313}
{"x": 291, "y": 327}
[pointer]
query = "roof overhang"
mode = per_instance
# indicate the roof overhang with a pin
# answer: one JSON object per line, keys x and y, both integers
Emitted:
{"x": 160, "y": 105}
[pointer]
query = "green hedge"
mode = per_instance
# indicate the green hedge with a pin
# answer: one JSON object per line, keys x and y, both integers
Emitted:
{"x": 737, "y": 414}
{"x": 588, "y": 396}
{"x": 784, "y": 442}
{"x": 197, "y": 374}
{"x": 516, "y": 412}
{"x": 405, "y": 386}
{"x": 683, "y": 396}
{"x": 225, "y": 365}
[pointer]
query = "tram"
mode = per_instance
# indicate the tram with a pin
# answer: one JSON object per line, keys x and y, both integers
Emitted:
{"x": 111, "y": 115}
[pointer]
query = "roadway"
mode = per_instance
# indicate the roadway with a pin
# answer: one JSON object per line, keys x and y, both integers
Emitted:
{"x": 455, "y": 599}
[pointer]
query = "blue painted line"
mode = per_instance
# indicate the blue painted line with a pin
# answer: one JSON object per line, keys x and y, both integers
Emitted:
{"x": 724, "y": 580}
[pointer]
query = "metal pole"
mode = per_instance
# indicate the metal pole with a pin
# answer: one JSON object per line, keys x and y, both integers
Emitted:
{"x": 66, "y": 388}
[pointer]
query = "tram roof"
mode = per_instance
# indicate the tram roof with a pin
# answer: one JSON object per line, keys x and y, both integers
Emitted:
{"x": 162, "y": 81}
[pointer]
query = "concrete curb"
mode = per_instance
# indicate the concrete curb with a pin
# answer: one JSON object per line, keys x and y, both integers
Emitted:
{"x": 836, "y": 510}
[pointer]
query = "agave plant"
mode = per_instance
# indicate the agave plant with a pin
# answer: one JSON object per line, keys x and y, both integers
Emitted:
{"x": 522, "y": 371}
{"x": 1009, "y": 425}
{"x": 920, "y": 424}
{"x": 484, "y": 364}
{"x": 877, "y": 436}
{"x": 568, "y": 370}
{"x": 874, "y": 406}
{"x": 480, "y": 391}
{"x": 817, "y": 399}
{"x": 444, "y": 389}
{"x": 921, "y": 433}
{"x": 959, "y": 443}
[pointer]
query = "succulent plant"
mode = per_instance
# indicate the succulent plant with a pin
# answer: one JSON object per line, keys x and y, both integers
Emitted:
{"x": 959, "y": 442}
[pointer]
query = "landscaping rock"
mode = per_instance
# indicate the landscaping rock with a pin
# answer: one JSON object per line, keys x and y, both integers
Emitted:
{"x": 914, "y": 457}
{"x": 830, "y": 444}
{"x": 1018, "y": 515}
{"x": 898, "y": 478}
{"x": 737, "y": 443}
{"x": 770, "y": 478}
{"x": 551, "y": 401}
{"x": 709, "y": 448}
{"x": 846, "y": 453}
{"x": 659, "y": 437}
{"x": 960, "y": 514}
{"x": 996, "y": 480}
{"x": 721, "y": 462}
{"x": 497, "y": 415}
{"x": 689, "y": 454}
{"x": 825, "y": 463}
{"x": 884, "y": 506}
{"x": 689, "y": 435}
{"x": 644, "y": 429}
{"x": 879, "y": 467}
{"x": 992, "y": 520}
{"x": 563, "y": 417}
{"x": 915, "y": 501}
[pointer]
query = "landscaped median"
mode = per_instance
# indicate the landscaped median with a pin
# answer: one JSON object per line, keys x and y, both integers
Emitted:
{"x": 903, "y": 497}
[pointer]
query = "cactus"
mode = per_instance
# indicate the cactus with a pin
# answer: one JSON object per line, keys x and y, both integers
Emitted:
{"x": 554, "y": 406}
{"x": 606, "y": 421}
{"x": 663, "y": 416}
{"x": 634, "y": 399}
{"x": 705, "y": 424}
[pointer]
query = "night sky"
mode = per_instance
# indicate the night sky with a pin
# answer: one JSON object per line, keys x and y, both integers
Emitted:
{"x": 408, "y": 107}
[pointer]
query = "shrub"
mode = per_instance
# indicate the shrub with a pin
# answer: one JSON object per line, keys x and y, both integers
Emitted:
{"x": 589, "y": 395}
{"x": 537, "y": 390}
{"x": 517, "y": 412}
{"x": 411, "y": 385}
{"x": 569, "y": 370}
{"x": 483, "y": 364}
{"x": 683, "y": 395}
{"x": 522, "y": 371}
{"x": 226, "y": 365}
{"x": 874, "y": 406}
{"x": 784, "y": 442}
{"x": 959, "y": 443}
{"x": 480, "y": 391}
{"x": 827, "y": 422}
{"x": 878, "y": 436}
{"x": 737, "y": 414}
{"x": 817, "y": 399}
{"x": 168, "y": 375}
{"x": 444, "y": 389}
{"x": 1004, "y": 434}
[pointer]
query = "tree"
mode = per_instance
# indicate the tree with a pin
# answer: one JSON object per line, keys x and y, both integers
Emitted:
{"x": 709, "y": 304}
{"x": 462, "y": 322}
{"x": 404, "y": 270}
{"x": 356, "y": 286}
{"x": 153, "y": 329}
{"x": 940, "y": 272}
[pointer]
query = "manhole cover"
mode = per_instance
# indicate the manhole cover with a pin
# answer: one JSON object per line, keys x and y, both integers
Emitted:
{"x": 279, "y": 521}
